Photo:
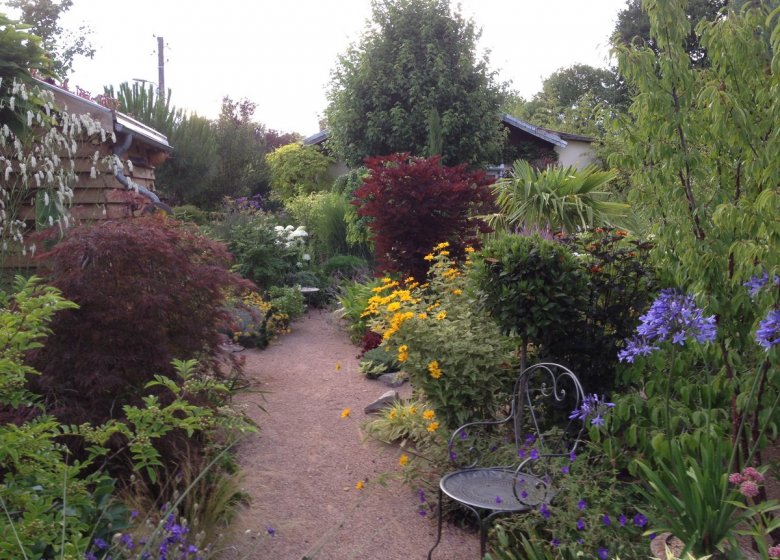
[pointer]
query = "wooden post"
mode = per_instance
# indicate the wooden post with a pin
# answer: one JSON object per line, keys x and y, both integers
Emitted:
{"x": 161, "y": 69}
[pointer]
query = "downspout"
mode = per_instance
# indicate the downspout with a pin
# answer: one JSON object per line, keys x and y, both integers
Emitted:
{"x": 119, "y": 150}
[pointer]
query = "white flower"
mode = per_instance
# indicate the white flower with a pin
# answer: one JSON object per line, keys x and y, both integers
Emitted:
{"x": 306, "y": 257}
{"x": 289, "y": 228}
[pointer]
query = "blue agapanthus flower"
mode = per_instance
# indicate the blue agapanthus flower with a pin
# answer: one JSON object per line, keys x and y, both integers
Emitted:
{"x": 673, "y": 316}
{"x": 768, "y": 333}
{"x": 758, "y": 282}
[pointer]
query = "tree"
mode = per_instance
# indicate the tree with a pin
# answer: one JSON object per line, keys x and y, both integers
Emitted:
{"x": 575, "y": 99}
{"x": 417, "y": 59}
{"x": 633, "y": 23}
{"x": 241, "y": 149}
{"x": 61, "y": 45}
{"x": 563, "y": 199}
{"x": 701, "y": 145}
{"x": 297, "y": 169}
{"x": 414, "y": 203}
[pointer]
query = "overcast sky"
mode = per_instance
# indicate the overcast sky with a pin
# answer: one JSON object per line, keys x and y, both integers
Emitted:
{"x": 280, "y": 53}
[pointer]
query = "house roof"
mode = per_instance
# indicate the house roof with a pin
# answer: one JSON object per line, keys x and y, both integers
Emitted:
{"x": 539, "y": 132}
{"x": 554, "y": 137}
{"x": 317, "y": 138}
{"x": 109, "y": 118}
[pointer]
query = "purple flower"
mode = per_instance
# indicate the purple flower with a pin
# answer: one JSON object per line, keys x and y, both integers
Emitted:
{"x": 640, "y": 520}
{"x": 572, "y": 456}
{"x": 521, "y": 453}
{"x": 100, "y": 544}
{"x": 464, "y": 435}
{"x": 622, "y": 520}
{"x": 90, "y": 556}
{"x": 453, "y": 456}
{"x": 635, "y": 346}
{"x": 134, "y": 514}
{"x": 652, "y": 536}
{"x": 757, "y": 283}
{"x": 271, "y": 531}
{"x": 581, "y": 505}
{"x": 603, "y": 553}
{"x": 530, "y": 439}
{"x": 192, "y": 549}
{"x": 534, "y": 454}
{"x": 555, "y": 543}
{"x": 524, "y": 494}
{"x": 580, "y": 524}
{"x": 592, "y": 407}
{"x": 606, "y": 520}
{"x": 421, "y": 495}
{"x": 768, "y": 333}
{"x": 672, "y": 316}
{"x": 544, "y": 510}
{"x": 565, "y": 469}
{"x": 127, "y": 541}
{"x": 499, "y": 500}
{"x": 422, "y": 513}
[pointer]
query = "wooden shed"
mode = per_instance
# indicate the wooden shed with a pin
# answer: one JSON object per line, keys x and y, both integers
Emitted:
{"x": 109, "y": 194}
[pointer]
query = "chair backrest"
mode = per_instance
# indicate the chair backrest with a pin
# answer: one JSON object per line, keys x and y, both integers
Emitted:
{"x": 545, "y": 398}
{"x": 540, "y": 423}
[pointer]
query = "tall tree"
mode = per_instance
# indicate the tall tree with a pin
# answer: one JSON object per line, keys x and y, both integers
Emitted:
{"x": 634, "y": 24}
{"x": 418, "y": 58}
{"x": 574, "y": 99}
{"x": 61, "y": 45}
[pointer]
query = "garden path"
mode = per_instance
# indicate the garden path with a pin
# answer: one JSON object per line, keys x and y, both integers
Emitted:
{"x": 302, "y": 468}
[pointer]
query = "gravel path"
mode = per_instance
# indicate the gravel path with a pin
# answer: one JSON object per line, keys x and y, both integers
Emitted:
{"x": 301, "y": 469}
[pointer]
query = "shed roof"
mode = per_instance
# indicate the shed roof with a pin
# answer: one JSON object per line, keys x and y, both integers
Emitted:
{"x": 109, "y": 118}
{"x": 317, "y": 138}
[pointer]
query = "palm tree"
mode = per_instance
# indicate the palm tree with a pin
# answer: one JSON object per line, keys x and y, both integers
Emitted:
{"x": 560, "y": 198}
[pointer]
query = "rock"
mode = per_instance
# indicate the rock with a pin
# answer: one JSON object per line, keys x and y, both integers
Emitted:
{"x": 382, "y": 402}
{"x": 394, "y": 378}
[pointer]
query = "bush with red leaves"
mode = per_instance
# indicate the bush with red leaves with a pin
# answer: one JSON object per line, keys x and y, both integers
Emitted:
{"x": 148, "y": 291}
{"x": 415, "y": 203}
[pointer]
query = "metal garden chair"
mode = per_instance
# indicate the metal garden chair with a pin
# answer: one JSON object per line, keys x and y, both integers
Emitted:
{"x": 529, "y": 445}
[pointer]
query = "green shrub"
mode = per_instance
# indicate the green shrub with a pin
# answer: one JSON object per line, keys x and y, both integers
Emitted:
{"x": 533, "y": 287}
{"x": 354, "y": 299}
{"x": 345, "y": 265}
{"x": 191, "y": 213}
{"x": 377, "y": 361}
{"x": 287, "y": 300}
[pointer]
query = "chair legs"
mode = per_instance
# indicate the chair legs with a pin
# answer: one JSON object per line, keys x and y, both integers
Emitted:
{"x": 483, "y": 527}
{"x": 438, "y": 534}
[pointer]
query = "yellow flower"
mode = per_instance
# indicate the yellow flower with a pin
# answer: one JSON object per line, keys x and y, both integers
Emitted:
{"x": 412, "y": 410}
{"x": 442, "y": 245}
{"x": 428, "y": 257}
{"x": 392, "y": 414}
{"x": 429, "y": 415}
{"x": 409, "y": 280}
{"x": 422, "y": 316}
{"x": 434, "y": 370}
{"x": 403, "y": 460}
{"x": 444, "y": 253}
{"x": 395, "y": 306}
{"x": 433, "y": 426}
{"x": 441, "y": 315}
{"x": 338, "y": 366}
{"x": 469, "y": 249}
{"x": 403, "y": 353}
{"x": 386, "y": 280}
{"x": 457, "y": 292}
{"x": 345, "y": 412}
{"x": 360, "y": 484}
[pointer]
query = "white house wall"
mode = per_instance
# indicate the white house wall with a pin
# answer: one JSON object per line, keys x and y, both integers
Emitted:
{"x": 576, "y": 153}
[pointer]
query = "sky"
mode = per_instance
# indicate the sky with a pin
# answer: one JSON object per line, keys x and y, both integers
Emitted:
{"x": 280, "y": 54}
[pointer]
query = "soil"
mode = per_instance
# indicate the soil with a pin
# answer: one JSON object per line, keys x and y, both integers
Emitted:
{"x": 302, "y": 468}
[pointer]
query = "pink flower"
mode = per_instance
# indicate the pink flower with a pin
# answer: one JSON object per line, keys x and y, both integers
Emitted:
{"x": 736, "y": 478}
{"x": 752, "y": 474}
{"x": 749, "y": 489}
{"x": 774, "y": 552}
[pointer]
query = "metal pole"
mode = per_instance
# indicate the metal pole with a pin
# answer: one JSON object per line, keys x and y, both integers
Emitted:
{"x": 161, "y": 69}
